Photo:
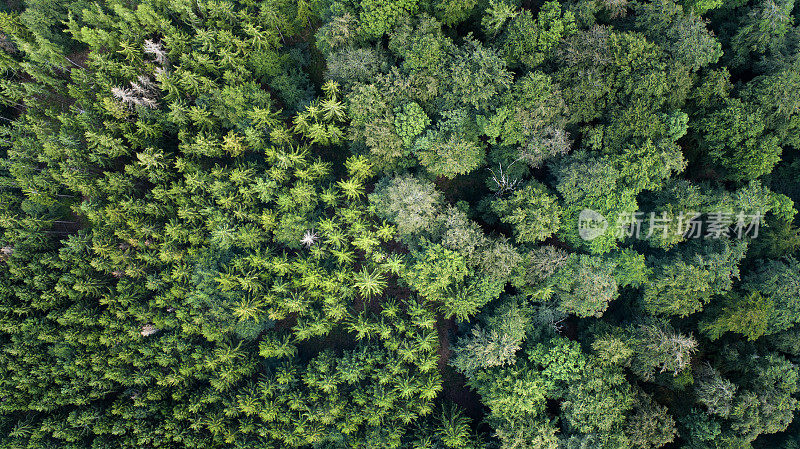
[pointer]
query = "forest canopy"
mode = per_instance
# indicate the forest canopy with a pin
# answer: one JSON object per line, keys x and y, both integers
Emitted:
{"x": 417, "y": 224}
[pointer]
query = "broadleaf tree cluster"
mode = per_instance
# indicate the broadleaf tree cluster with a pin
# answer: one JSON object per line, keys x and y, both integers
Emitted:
{"x": 356, "y": 224}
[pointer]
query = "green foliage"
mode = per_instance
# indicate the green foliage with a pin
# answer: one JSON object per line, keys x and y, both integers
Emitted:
{"x": 494, "y": 345}
{"x": 585, "y": 183}
{"x": 378, "y": 17}
{"x": 437, "y": 271}
{"x": 761, "y": 29}
{"x": 561, "y": 363}
{"x": 288, "y": 224}
{"x": 630, "y": 268}
{"x": 683, "y": 285}
{"x": 424, "y": 48}
{"x": 452, "y": 149}
{"x": 765, "y": 404}
{"x": 453, "y": 12}
{"x": 767, "y": 305}
{"x": 684, "y": 35}
{"x": 479, "y": 73}
{"x": 454, "y": 430}
{"x": 369, "y": 284}
{"x": 702, "y": 6}
{"x": 348, "y": 65}
{"x": 776, "y": 96}
{"x": 657, "y": 348}
{"x": 484, "y": 349}
{"x": 410, "y": 203}
{"x": 441, "y": 275}
{"x": 528, "y": 42}
{"x": 532, "y": 211}
{"x": 735, "y": 138}
{"x": 524, "y": 434}
{"x": 651, "y": 425}
{"x": 749, "y": 316}
{"x": 410, "y": 123}
{"x": 530, "y": 120}
{"x": 497, "y": 14}
{"x": 511, "y": 392}
{"x": 598, "y": 401}
{"x": 610, "y": 80}
{"x": 586, "y": 286}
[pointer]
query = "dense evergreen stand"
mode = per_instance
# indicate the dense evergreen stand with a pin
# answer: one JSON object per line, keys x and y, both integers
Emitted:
{"x": 330, "y": 224}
